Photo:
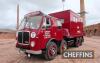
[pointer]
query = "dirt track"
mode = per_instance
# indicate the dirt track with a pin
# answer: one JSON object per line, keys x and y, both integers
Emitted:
{"x": 9, "y": 53}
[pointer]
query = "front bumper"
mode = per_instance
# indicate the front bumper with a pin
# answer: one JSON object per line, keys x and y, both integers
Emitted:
{"x": 34, "y": 52}
{"x": 30, "y": 51}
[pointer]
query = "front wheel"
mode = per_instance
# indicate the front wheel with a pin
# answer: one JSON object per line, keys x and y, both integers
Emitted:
{"x": 51, "y": 51}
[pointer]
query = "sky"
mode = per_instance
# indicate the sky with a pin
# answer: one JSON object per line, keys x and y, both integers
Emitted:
{"x": 8, "y": 9}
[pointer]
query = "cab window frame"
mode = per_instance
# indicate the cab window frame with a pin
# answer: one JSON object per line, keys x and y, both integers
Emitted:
{"x": 45, "y": 23}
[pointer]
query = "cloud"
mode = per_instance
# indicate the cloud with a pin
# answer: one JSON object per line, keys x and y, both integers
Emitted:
{"x": 93, "y": 9}
{"x": 8, "y": 9}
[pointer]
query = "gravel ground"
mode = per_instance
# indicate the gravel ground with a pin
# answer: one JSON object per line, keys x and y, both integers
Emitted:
{"x": 9, "y": 53}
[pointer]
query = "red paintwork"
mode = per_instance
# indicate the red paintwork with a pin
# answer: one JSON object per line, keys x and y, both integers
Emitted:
{"x": 69, "y": 24}
{"x": 69, "y": 29}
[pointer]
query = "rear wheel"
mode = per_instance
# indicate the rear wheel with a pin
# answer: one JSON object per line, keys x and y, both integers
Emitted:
{"x": 77, "y": 42}
{"x": 51, "y": 51}
{"x": 81, "y": 40}
{"x": 63, "y": 47}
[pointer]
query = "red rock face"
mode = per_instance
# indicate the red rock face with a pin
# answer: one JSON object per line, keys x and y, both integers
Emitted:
{"x": 93, "y": 30}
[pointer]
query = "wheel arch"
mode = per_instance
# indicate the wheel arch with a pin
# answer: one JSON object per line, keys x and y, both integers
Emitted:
{"x": 55, "y": 41}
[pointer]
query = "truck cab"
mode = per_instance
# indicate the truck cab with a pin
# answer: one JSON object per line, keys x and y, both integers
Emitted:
{"x": 38, "y": 34}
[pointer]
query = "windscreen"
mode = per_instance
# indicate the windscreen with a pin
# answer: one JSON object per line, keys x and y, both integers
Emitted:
{"x": 31, "y": 22}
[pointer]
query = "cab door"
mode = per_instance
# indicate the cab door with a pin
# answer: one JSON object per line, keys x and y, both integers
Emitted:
{"x": 52, "y": 31}
{"x": 47, "y": 27}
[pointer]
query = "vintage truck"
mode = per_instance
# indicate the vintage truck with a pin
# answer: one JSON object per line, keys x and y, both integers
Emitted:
{"x": 49, "y": 34}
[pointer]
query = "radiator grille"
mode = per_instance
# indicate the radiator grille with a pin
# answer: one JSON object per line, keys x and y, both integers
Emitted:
{"x": 23, "y": 37}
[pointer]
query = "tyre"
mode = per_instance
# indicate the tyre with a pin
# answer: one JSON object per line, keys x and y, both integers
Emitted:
{"x": 51, "y": 51}
{"x": 80, "y": 40}
{"x": 77, "y": 42}
{"x": 63, "y": 47}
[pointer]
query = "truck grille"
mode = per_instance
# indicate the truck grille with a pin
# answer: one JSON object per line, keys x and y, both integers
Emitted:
{"x": 23, "y": 37}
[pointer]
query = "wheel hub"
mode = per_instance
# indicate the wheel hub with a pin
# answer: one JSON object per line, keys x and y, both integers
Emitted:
{"x": 52, "y": 51}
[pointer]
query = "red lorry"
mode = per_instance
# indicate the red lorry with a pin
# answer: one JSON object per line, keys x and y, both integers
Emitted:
{"x": 49, "y": 34}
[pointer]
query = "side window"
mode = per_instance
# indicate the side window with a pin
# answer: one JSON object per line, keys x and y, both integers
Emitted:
{"x": 59, "y": 23}
{"x": 48, "y": 22}
{"x": 75, "y": 19}
{"x": 62, "y": 21}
